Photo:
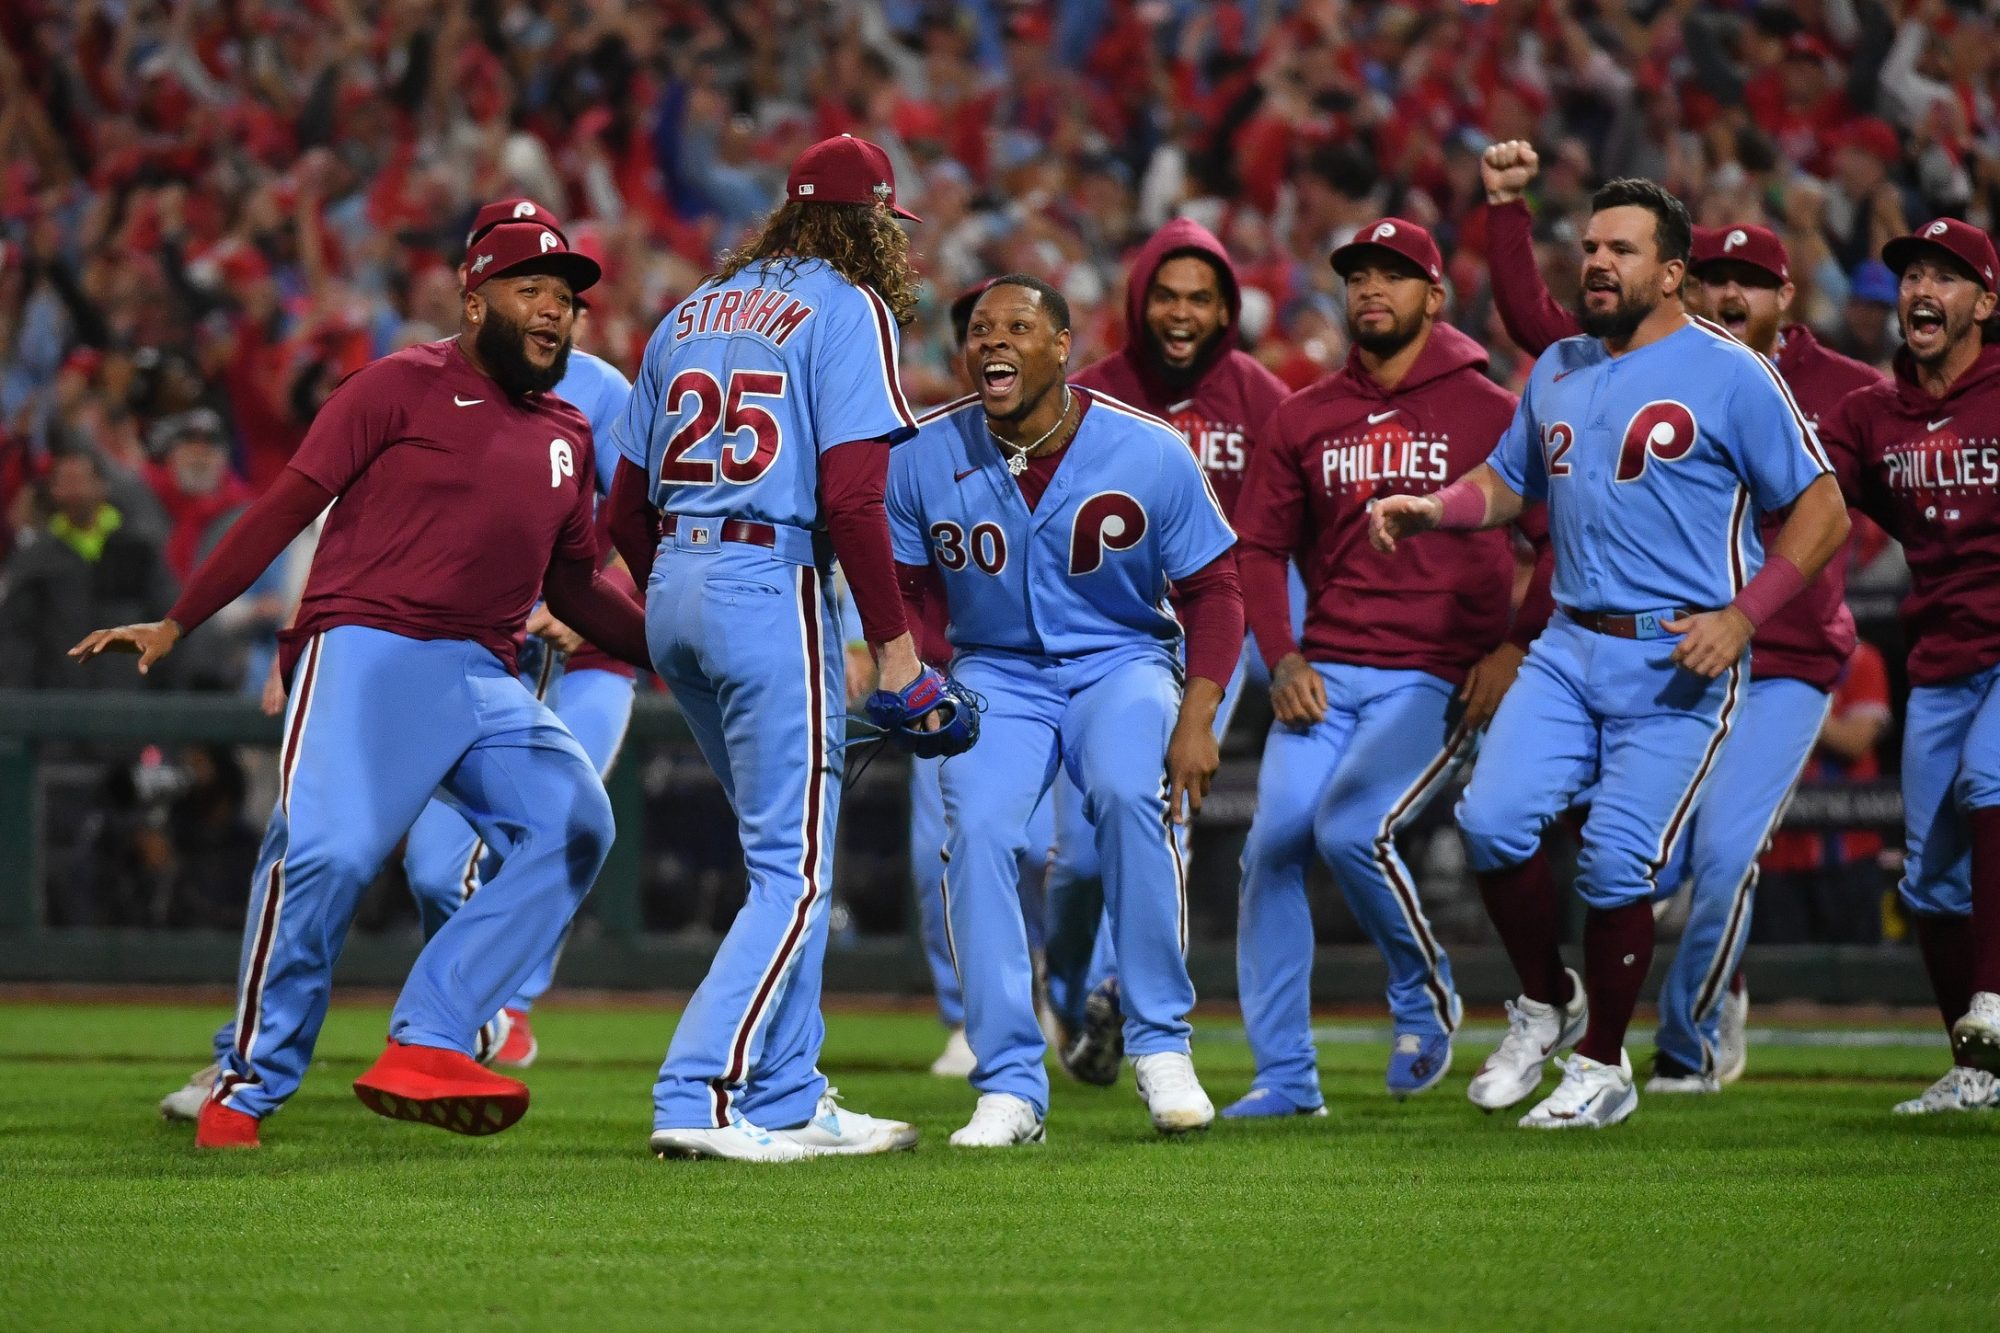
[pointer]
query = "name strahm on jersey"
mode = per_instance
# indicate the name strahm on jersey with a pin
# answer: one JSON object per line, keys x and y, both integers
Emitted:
{"x": 1408, "y": 458}
{"x": 771, "y": 314}
{"x": 1943, "y": 465}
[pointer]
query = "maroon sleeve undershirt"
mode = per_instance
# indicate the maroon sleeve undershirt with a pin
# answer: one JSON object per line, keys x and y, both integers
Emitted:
{"x": 633, "y": 522}
{"x": 1533, "y": 318}
{"x": 852, "y": 478}
{"x": 1267, "y": 602}
{"x": 260, "y": 536}
{"x": 1211, "y": 608}
{"x": 581, "y": 597}
{"x": 925, "y": 609}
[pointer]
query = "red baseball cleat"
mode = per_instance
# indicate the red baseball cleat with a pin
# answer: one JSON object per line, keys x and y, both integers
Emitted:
{"x": 220, "y": 1127}
{"x": 442, "y": 1088}
{"x": 518, "y": 1051}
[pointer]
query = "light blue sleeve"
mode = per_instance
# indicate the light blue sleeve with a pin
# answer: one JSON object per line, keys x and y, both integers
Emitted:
{"x": 1766, "y": 437}
{"x": 632, "y": 434}
{"x": 602, "y": 400}
{"x": 1517, "y": 457}
{"x": 856, "y": 392}
{"x": 903, "y": 502}
{"x": 1193, "y": 531}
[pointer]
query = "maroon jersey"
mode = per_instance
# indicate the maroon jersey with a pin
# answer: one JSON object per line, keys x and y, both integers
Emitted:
{"x": 1226, "y": 397}
{"x": 1928, "y": 470}
{"x": 1810, "y": 637}
{"x": 1436, "y": 605}
{"x": 453, "y": 500}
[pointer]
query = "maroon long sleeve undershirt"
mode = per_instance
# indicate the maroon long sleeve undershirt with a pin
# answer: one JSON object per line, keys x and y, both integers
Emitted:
{"x": 852, "y": 478}
{"x": 1533, "y": 318}
{"x": 633, "y": 522}
{"x": 925, "y": 610}
{"x": 579, "y": 595}
{"x": 1267, "y": 602}
{"x": 260, "y": 536}
{"x": 1211, "y": 609}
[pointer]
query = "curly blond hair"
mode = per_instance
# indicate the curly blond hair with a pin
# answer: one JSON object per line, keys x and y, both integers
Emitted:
{"x": 860, "y": 242}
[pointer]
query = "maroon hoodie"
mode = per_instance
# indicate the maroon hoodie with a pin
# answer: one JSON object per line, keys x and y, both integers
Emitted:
{"x": 1438, "y": 605}
{"x": 1227, "y": 397}
{"x": 1928, "y": 470}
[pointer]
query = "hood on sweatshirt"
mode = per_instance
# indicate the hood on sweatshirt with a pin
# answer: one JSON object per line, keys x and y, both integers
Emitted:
{"x": 1447, "y": 352}
{"x": 1916, "y": 398}
{"x": 1180, "y": 236}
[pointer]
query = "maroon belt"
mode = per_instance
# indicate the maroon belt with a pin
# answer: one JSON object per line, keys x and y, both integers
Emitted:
{"x": 1643, "y": 625}
{"x": 727, "y": 529}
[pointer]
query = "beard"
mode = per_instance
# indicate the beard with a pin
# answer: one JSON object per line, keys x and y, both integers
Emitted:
{"x": 1182, "y": 377}
{"x": 1387, "y": 342}
{"x": 503, "y": 346}
{"x": 1618, "y": 323}
{"x": 1956, "y": 329}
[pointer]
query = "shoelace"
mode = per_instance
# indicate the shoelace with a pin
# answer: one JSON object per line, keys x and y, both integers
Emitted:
{"x": 1520, "y": 1038}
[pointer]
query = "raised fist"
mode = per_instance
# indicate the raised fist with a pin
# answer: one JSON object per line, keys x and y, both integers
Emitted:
{"x": 1506, "y": 168}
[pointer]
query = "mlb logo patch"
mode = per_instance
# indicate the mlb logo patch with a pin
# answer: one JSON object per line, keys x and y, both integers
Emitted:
{"x": 699, "y": 536}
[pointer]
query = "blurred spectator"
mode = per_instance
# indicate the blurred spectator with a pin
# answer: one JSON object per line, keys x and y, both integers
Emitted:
{"x": 1871, "y": 315}
{"x": 190, "y": 475}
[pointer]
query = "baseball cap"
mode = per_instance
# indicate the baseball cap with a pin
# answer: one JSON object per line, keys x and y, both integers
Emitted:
{"x": 531, "y": 247}
{"x": 961, "y": 305}
{"x": 1759, "y": 247}
{"x": 1961, "y": 240}
{"x": 1398, "y": 237}
{"x": 1871, "y": 135}
{"x": 511, "y": 210}
{"x": 1872, "y": 281}
{"x": 845, "y": 170}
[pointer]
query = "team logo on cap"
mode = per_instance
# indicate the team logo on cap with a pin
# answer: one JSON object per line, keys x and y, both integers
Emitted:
{"x": 1936, "y": 228}
{"x": 524, "y": 209}
{"x": 549, "y": 241}
{"x": 805, "y": 190}
{"x": 882, "y": 191}
{"x": 1736, "y": 238}
{"x": 479, "y": 264}
{"x": 1383, "y": 231}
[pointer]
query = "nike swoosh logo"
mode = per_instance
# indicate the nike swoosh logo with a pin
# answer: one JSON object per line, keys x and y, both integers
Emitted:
{"x": 466, "y": 402}
{"x": 1376, "y": 418}
{"x": 1561, "y": 373}
{"x": 961, "y": 476}
{"x": 1181, "y": 406}
{"x": 1933, "y": 425}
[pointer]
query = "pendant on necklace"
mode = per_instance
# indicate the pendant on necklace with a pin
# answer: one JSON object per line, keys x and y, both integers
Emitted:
{"x": 1017, "y": 464}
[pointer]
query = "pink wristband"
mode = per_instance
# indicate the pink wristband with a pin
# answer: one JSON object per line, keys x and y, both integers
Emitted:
{"x": 1776, "y": 583}
{"x": 1463, "y": 505}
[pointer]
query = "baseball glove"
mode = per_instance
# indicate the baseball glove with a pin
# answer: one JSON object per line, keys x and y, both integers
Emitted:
{"x": 897, "y": 714}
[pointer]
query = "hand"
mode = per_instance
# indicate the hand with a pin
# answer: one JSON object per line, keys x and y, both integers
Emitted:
{"x": 1397, "y": 516}
{"x": 860, "y": 673}
{"x": 272, "y": 701}
{"x": 1192, "y": 758}
{"x": 1506, "y": 168}
{"x": 896, "y": 665}
{"x": 1713, "y": 641}
{"x": 1298, "y": 695}
{"x": 1486, "y": 684}
{"x": 151, "y": 641}
{"x": 544, "y": 626}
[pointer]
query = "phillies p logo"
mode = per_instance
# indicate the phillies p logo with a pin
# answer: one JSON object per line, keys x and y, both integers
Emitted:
{"x": 1110, "y": 520}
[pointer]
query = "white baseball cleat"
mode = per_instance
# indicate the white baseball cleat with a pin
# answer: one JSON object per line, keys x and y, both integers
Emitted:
{"x": 491, "y": 1038}
{"x": 1961, "y": 1089}
{"x": 1536, "y": 1033}
{"x": 1975, "y": 1038}
{"x": 1172, "y": 1093}
{"x": 1683, "y": 1084}
{"x": 1001, "y": 1120}
{"x": 1590, "y": 1096}
{"x": 833, "y": 1132}
{"x": 738, "y": 1141}
{"x": 184, "y": 1103}
{"x": 957, "y": 1059}
{"x": 1732, "y": 1038}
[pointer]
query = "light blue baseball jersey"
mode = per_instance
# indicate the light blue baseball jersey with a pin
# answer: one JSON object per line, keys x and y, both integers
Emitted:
{"x": 1087, "y": 569}
{"x": 749, "y": 379}
{"x": 598, "y": 389}
{"x": 1655, "y": 465}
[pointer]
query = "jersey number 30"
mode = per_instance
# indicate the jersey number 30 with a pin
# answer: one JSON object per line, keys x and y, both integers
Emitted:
{"x": 735, "y": 415}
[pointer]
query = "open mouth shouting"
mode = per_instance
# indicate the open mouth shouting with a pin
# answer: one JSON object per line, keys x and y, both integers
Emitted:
{"x": 1925, "y": 327}
{"x": 998, "y": 378}
{"x": 1179, "y": 345}
{"x": 544, "y": 343}
{"x": 1734, "y": 316}
{"x": 1601, "y": 288}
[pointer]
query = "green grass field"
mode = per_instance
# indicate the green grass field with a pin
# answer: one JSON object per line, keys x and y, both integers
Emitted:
{"x": 1793, "y": 1201}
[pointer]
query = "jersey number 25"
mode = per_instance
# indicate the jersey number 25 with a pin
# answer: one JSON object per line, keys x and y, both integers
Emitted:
{"x": 736, "y": 416}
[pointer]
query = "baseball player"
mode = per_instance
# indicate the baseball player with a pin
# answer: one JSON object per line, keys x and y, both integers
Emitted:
{"x": 1920, "y": 454}
{"x": 755, "y": 448}
{"x": 1180, "y": 362}
{"x": 1050, "y": 520}
{"x": 1363, "y": 737}
{"x": 1742, "y": 280}
{"x": 1655, "y": 440}
{"x": 464, "y": 489}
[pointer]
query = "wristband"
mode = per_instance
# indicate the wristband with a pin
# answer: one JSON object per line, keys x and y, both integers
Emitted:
{"x": 1462, "y": 505}
{"x": 1776, "y": 584}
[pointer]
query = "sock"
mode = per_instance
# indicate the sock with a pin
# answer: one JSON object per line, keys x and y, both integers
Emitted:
{"x": 1617, "y": 951}
{"x": 1985, "y": 898}
{"x": 1521, "y": 900}
{"x": 1946, "y": 944}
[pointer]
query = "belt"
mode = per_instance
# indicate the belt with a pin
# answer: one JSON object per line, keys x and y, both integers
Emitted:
{"x": 703, "y": 530}
{"x": 1622, "y": 625}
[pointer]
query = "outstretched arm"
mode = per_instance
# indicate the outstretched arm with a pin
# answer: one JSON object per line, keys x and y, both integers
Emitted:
{"x": 1533, "y": 318}
{"x": 1477, "y": 500}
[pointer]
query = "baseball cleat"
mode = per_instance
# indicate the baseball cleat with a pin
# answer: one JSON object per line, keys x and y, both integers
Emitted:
{"x": 519, "y": 1050}
{"x": 1672, "y": 1077}
{"x": 1416, "y": 1062}
{"x": 433, "y": 1086}
{"x": 833, "y": 1132}
{"x": 185, "y": 1102}
{"x": 1590, "y": 1096}
{"x": 1732, "y": 1038}
{"x": 1172, "y": 1093}
{"x": 1100, "y": 1045}
{"x": 221, "y": 1127}
{"x": 1001, "y": 1120}
{"x": 956, "y": 1060}
{"x": 1268, "y": 1103}
{"x": 1961, "y": 1089}
{"x": 1975, "y": 1038}
{"x": 1536, "y": 1032}
{"x": 738, "y": 1141}
{"x": 491, "y": 1039}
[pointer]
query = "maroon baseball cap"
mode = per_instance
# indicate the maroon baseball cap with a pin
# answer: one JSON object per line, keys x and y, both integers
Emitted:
{"x": 528, "y": 247}
{"x": 1398, "y": 237}
{"x": 511, "y": 210}
{"x": 845, "y": 170}
{"x": 1759, "y": 247}
{"x": 1961, "y": 240}
{"x": 962, "y": 304}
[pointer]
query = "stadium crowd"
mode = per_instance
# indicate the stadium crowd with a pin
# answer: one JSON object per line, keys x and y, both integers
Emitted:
{"x": 213, "y": 210}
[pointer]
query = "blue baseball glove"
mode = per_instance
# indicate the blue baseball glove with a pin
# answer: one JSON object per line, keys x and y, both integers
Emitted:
{"x": 897, "y": 714}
